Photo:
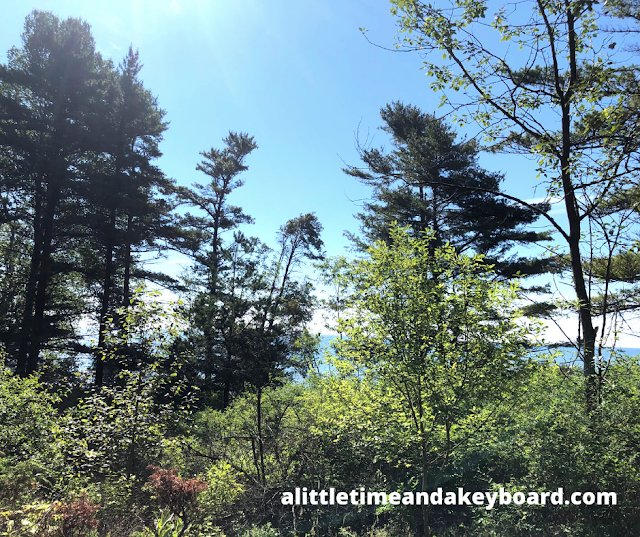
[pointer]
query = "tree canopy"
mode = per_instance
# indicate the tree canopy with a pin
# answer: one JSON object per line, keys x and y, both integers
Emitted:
{"x": 560, "y": 97}
{"x": 432, "y": 181}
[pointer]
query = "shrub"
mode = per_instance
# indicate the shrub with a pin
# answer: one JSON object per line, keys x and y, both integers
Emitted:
{"x": 174, "y": 493}
{"x": 29, "y": 422}
{"x": 222, "y": 492}
{"x": 77, "y": 517}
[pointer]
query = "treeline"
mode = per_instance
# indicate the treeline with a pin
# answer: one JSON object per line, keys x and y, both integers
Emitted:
{"x": 84, "y": 206}
{"x": 193, "y": 419}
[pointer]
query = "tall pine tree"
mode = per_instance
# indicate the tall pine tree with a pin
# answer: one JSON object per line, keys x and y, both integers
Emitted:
{"x": 50, "y": 86}
{"x": 121, "y": 191}
{"x": 248, "y": 306}
{"x": 432, "y": 181}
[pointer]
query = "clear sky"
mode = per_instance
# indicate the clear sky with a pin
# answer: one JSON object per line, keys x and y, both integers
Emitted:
{"x": 297, "y": 75}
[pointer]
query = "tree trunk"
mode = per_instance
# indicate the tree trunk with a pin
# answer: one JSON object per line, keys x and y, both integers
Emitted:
{"x": 30, "y": 296}
{"x": 106, "y": 295}
{"x": 426, "y": 507}
{"x": 126, "y": 290}
{"x": 571, "y": 204}
{"x": 44, "y": 274}
{"x": 260, "y": 437}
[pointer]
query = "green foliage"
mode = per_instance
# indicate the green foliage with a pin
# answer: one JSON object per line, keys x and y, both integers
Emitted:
{"x": 142, "y": 336}
{"x": 28, "y": 419}
{"x": 623, "y": 267}
{"x": 432, "y": 382}
{"x": 116, "y": 429}
{"x": 438, "y": 343}
{"x": 165, "y": 525}
{"x": 549, "y": 80}
{"x": 71, "y": 518}
{"x": 223, "y": 490}
{"x": 433, "y": 327}
{"x": 548, "y": 442}
{"x": 27, "y": 521}
{"x": 121, "y": 428}
{"x": 30, "y": 439}
{"x": 260, "y": 531}
{"x": 284, "y": 430}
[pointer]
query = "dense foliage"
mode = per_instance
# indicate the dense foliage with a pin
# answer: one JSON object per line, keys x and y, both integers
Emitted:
{"x": 204, "y": 417}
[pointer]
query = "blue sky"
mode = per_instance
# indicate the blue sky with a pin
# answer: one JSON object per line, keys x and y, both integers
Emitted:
{"x": 297, "y": 75}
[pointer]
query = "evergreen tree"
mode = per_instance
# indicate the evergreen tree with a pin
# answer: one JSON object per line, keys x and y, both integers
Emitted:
{"x": 211, "y": 254}
{"x": 218, "y": 216}
{"x": 81, "y": 198}
{"x": 254, "y": 329}
{"x": 248, "y": 309}
{"x": 431, "y": 181}
{"x": 49, "y": 87}
{"x": 122, "y": 193}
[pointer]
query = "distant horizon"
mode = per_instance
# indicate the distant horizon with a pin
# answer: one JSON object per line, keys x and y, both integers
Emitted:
{"x": 630, "y": 351}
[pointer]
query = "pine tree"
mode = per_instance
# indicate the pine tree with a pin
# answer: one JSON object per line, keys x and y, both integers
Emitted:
{"x": 48, "y": 88}
{"x": 81, "y": 197}
{"x": 431, "y": 181}
{"x": 122, "y": 190}
{"x": 248, "y": 307}
{"x": 213, "y": 256}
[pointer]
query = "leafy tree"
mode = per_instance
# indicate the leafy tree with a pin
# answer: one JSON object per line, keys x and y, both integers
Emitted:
{"x": 266, "y": 453}
{"x": 28, "y": 418}
{"x": 548, "y": 441}
{"x": 430, "y": 181}
{"x": 120, "y": 429}
{"x": 559, "y": 96}
{"x": 30, "y": 441}
{"x": 437, "y": 335}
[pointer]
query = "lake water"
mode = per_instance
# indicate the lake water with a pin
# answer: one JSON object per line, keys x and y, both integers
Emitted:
{"x": 567, "y": 356}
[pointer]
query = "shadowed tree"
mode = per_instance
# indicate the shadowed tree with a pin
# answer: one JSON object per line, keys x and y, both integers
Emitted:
{"x": 431, "y": 181}
{"x": 49, "y": 101}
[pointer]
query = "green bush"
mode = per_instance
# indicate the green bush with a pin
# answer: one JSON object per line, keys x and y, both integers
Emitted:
{"x": 116, "y": 430}
{"x": 29, "y": 422}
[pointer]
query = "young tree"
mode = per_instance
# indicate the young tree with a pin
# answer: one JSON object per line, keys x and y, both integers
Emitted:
{"x": 424, "y": 183}
{"x": 558, "y": 96}
{"x": 437, "y": 335}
